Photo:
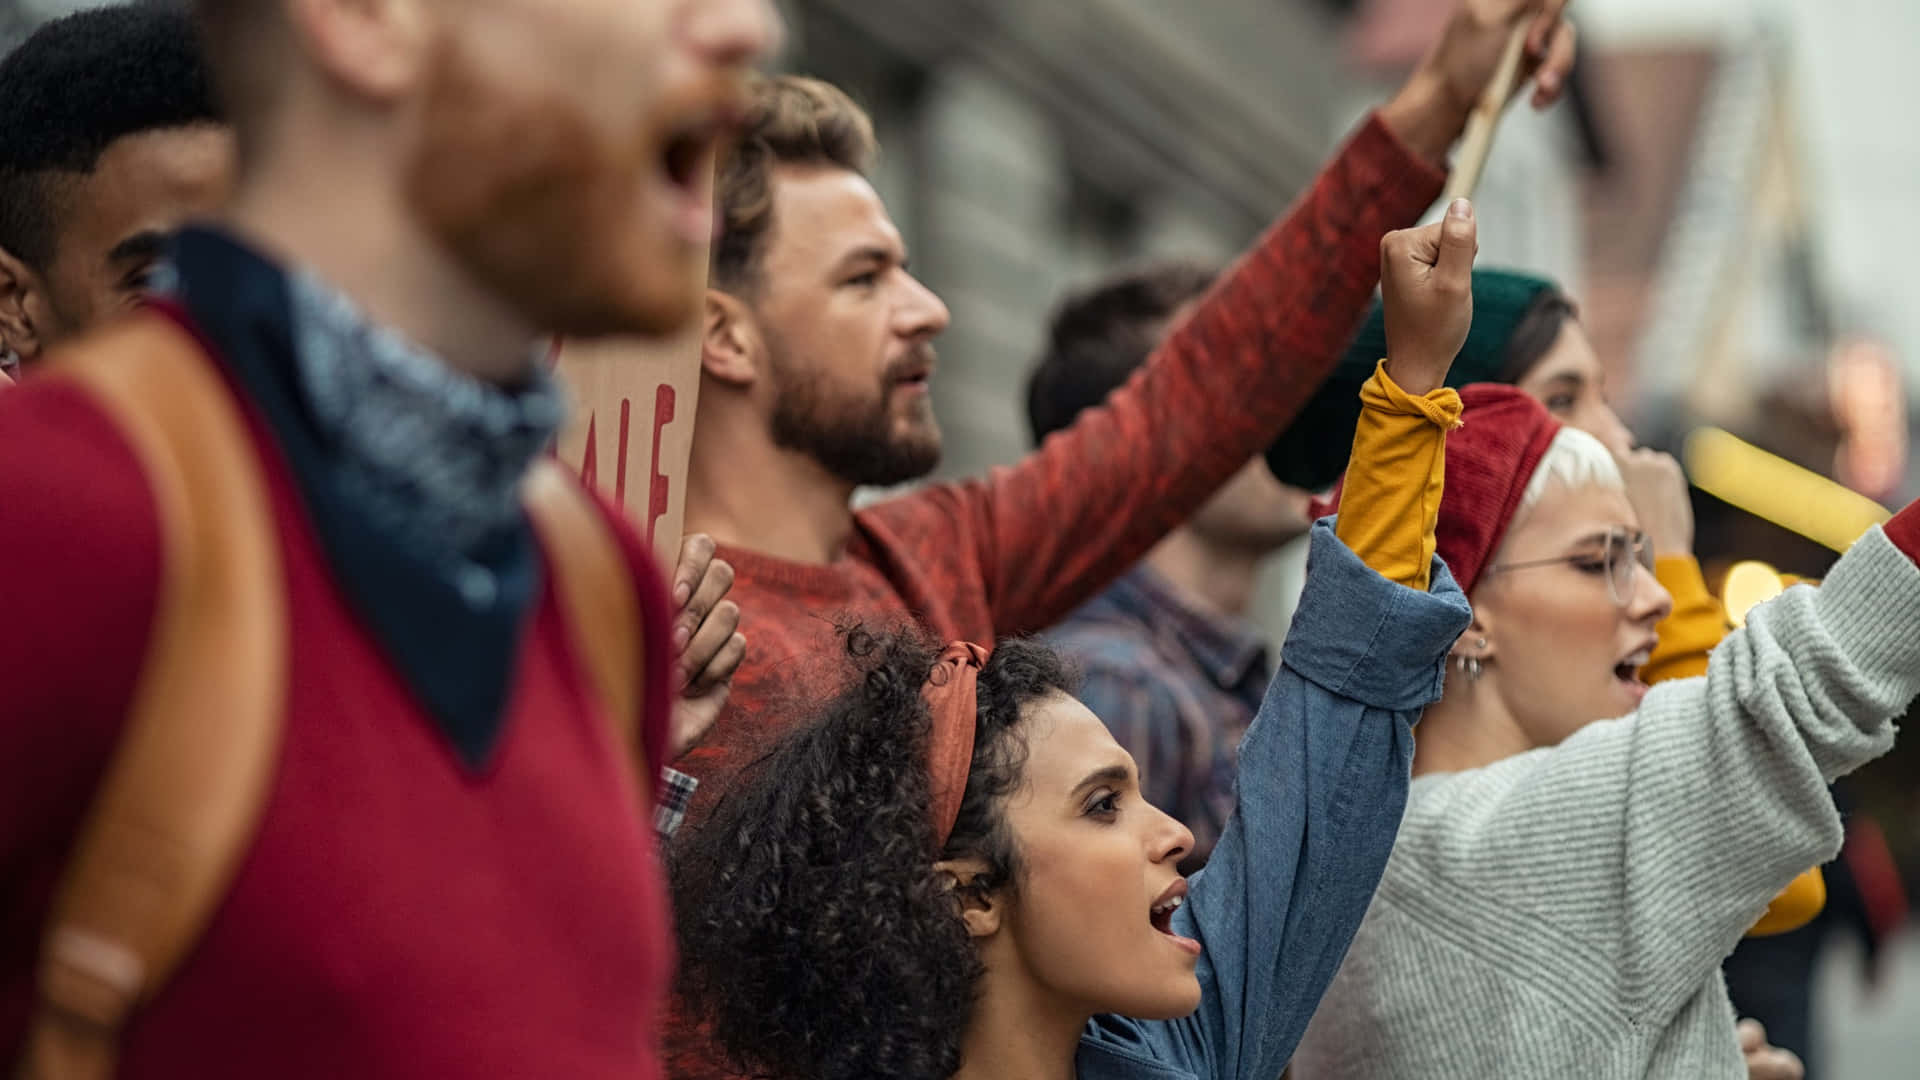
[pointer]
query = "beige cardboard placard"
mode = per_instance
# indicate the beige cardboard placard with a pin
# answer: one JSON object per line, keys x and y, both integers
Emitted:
{"x": 631, "y": 431}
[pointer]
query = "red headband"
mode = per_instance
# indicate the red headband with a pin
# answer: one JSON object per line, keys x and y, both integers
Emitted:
{"x": 952, "y": 694}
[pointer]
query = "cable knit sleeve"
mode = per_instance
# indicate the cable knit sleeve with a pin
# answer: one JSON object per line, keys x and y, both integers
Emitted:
{"x": 1641, "y": 849}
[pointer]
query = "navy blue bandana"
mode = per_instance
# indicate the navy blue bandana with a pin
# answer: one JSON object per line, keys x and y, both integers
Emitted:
{"x": 409, "y": 472}
{"x": 432, "y": 454}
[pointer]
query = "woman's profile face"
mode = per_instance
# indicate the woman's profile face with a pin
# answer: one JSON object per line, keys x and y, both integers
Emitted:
{"x": 1087, "y": 925}
{"x": 1569, "y": 380}
{"x": 1566, "y": 652}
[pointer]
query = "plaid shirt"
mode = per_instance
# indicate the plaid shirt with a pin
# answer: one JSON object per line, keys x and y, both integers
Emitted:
{"x": 676, "y": 794}
{"x": 1178, "y": 687}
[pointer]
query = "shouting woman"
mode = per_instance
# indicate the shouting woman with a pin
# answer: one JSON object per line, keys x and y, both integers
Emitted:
{"x": 1566, "y": 885}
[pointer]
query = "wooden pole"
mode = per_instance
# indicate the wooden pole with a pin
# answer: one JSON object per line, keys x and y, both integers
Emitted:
{"x": 1477, "y": 143}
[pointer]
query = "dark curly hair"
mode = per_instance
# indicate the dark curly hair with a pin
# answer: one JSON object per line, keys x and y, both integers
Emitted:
{"x": 816, "y": 940}
{"x": 75, "y": 87}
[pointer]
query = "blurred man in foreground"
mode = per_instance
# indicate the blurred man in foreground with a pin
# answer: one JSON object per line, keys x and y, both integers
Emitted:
{"x": 444, "y": 868}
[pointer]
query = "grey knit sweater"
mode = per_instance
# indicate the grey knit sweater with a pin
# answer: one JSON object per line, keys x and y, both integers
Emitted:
{"x": 1564, "y": 913}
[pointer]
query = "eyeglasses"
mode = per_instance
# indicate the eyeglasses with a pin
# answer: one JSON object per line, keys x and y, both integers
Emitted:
{"x": 1621, "y": 552}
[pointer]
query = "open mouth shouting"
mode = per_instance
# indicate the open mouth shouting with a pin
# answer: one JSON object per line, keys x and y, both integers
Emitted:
{"x": 1161, "y": 916}
{"x": 1626, "y": 673}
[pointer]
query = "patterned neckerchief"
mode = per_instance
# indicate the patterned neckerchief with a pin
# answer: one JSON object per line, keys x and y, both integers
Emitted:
{"x": 409, "y": 472}
{"x": 432, "y": 454}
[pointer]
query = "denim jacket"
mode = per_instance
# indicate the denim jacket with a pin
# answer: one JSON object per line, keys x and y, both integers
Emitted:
{"x": 1322, "y": 780}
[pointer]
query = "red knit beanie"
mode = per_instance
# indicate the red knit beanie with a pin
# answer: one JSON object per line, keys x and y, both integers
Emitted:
{"x": 1490, "y": 459}
{"x": 1489, "y": 462}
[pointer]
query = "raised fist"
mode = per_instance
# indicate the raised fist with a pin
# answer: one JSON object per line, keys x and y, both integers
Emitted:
{"x": 1426, "y": 283}
{"x": 1657, "y": 487}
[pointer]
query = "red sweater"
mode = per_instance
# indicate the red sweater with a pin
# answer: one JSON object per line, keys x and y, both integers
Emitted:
{"x": 399, "y": 916}
{"x": 1017, "y": 551}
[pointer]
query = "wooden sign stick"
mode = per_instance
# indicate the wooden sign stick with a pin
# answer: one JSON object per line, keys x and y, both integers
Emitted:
{"x": 1477, "y": 143}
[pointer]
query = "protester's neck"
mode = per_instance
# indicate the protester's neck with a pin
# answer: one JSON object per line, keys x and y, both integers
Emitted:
{"x": 1467, "y": 728}
{"x": 748, "y": 493}
{"x": 1214, "y": 577}
{"x": 1015, "y": 1034}
{"x": 353, "y": 229}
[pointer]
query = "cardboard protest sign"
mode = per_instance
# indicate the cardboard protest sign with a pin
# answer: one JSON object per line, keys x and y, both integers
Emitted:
{"x": 631, "y": 432}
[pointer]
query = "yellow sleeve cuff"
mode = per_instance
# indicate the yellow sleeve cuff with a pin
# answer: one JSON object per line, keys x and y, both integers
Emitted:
{"x": 1695, "y": 627}
{"x": 1390, "y": 506}
{"x": 1441, "y": 408}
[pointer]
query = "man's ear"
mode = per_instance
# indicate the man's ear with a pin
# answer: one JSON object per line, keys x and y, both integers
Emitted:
{"x": 729, "y": 340}
{"x": 980, "y": 908}
{"x": 23, "y": 302}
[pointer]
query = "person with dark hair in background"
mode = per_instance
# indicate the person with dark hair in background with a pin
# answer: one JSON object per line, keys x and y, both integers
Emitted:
{"x": 446, "y": 865}
{"x": 952, "y": 871}
{"x": 110, "y": 137}
{"x": 1167, "y": 658}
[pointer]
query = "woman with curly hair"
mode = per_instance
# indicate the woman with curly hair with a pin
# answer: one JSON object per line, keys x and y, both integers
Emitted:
{"x": 951, "y": 871}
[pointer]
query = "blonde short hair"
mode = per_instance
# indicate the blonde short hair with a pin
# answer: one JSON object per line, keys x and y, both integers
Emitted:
{"x": 1573, "y": 460}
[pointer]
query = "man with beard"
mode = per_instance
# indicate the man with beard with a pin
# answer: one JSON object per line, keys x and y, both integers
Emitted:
{"x": 819, "y": 348}
{"x": 449, "y": 874}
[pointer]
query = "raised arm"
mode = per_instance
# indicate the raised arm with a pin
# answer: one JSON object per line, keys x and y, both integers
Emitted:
{"x": 1651, "y": 843}
{"x": 1323, "y": 769}
{"x": 1055, "y": 529}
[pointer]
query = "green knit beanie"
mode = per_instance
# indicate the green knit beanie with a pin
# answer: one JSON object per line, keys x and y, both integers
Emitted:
{"x": 1313, "y": 452}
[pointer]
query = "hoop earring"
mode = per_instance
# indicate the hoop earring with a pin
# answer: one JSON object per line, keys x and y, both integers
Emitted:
{"x": 1471, "y": 667}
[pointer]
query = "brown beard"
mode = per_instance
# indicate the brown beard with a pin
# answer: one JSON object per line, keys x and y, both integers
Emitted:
{"x": 849, "y": 435}
{"x": 539, "y": 208}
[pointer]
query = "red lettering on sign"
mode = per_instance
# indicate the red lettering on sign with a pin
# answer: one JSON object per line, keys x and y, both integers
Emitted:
{"x": 620, "y": 476}
{"x": 590, "y": 461}
{"x": 661, "y": 484}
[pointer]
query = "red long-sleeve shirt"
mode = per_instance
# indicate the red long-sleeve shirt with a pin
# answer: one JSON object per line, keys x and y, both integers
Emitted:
{"x": 1016, "y": 551}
